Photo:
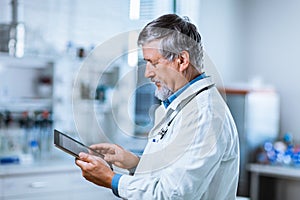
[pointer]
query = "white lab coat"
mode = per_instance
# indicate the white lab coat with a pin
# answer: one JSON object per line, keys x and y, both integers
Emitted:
{"x": 198, "y": 158}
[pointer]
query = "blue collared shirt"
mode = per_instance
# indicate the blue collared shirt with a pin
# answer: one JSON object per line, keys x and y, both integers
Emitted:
{"x": 171, "y": 98}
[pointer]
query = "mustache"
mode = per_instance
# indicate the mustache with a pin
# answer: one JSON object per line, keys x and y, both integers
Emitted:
{"x": 156, "y": 80}
{"x": 164, "y": 85}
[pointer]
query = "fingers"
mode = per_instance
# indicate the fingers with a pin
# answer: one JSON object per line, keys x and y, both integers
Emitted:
{"x": 86, "y": 157}
{"x": 81, "y": 164}
{"x": 104, "y": 148}
{"x": 96, "y": 172}
{"x": 84, "y": 162}
{"x": 110, "y": 158}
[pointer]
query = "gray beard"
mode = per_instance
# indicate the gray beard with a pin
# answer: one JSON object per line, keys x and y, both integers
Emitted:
{"x": 163, "y": 93}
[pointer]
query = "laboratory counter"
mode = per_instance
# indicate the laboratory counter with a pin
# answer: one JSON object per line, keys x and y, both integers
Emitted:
{"x": 56, "y": 179}
{"x": 273, "y": 181}
{"x": 51, "y": 166}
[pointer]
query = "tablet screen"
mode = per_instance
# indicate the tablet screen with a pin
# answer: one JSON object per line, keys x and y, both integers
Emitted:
{"x": 71, "y": 146}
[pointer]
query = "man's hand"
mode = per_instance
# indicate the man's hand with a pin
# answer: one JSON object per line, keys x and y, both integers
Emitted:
{"x": 95, "y": 169}
{"x": 116, "y": 155}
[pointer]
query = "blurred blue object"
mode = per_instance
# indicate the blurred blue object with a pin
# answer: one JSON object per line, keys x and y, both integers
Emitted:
{"x": 10, "y": 160}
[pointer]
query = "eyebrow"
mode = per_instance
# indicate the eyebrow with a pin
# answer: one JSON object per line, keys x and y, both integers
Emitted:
{"x": 149, "y": 60}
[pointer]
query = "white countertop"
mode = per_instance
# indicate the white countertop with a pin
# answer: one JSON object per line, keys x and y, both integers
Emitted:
{"x": 275, "y": 170}
{"x": 45, "y": 166}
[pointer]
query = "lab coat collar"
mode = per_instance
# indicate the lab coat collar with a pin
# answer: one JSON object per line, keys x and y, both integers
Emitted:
{"x": 192, "y": 89}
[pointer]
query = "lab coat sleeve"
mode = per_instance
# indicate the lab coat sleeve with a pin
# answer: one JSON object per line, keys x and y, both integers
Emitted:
{"x": 192, "y": 173}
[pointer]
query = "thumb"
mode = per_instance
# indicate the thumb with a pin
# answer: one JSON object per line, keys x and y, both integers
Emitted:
{"x": 85, "y": 157}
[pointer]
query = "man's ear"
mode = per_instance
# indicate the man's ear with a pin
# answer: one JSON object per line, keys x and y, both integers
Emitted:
{"x": 183, "y": 60}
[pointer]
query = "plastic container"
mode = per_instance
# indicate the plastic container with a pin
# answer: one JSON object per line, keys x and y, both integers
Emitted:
{"x": 35, "y": 150}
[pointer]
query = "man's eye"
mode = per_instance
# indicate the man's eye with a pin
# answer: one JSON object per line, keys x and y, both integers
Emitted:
{"x": 154, "y": 64}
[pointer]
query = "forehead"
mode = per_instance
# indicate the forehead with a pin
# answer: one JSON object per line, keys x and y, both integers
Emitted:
{"x": 151, "y": 50}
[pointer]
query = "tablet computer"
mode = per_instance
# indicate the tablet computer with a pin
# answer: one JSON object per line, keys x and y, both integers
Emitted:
{"x": 72, "y": 146}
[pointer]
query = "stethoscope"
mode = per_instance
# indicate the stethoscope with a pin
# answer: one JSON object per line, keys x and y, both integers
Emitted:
{"x": 173, "y": 113}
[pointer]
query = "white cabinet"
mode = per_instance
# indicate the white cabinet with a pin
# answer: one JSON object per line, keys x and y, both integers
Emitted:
{"x": 25, "y": 83}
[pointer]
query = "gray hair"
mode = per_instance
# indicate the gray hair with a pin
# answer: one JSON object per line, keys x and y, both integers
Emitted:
{"x": 175, "y": 34}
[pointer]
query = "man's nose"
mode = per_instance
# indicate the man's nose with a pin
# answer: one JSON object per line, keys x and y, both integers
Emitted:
{"x": 149, "y": 73}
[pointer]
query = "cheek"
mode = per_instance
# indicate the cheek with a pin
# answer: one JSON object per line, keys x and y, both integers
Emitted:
{"x": 166, "y": 80}
{"x": 167, "y": 74}
{"x": 162, "y": 75}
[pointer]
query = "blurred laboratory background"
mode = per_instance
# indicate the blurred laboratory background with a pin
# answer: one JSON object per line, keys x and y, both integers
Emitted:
{"x": 73, "y": 65}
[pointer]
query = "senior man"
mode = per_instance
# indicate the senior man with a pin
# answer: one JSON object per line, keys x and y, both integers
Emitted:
{"x": 193, "y": 149}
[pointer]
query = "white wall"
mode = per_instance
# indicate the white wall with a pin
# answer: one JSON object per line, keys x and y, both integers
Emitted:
{"x": 248, "y": 39}
{"x": 220, "y": 26}
{"x": 272, "y": 50}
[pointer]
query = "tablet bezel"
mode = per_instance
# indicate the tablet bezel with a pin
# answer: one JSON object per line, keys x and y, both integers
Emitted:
{"x": 57, "y": 135}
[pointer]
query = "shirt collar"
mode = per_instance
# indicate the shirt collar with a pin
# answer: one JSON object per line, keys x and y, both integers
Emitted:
{"x": 171, "y": 98}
